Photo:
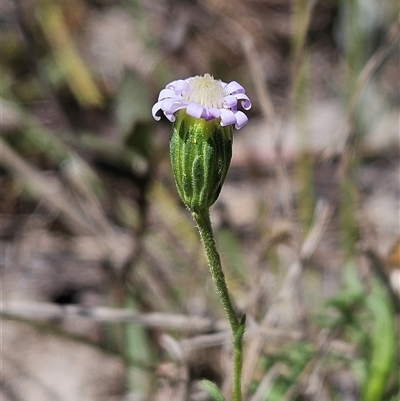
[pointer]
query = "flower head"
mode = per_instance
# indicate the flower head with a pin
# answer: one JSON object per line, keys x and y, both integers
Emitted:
{"x": 206, "y": 98}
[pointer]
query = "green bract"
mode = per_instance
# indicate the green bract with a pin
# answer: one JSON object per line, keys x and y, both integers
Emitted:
{"x": 201, "y": 153}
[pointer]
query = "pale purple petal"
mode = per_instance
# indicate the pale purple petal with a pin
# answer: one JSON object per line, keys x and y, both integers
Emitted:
{"x": 155, "y": 109}
{"x": 171, "y": 105}
{"x": 168, "y": 103}
{"x": 229, "y": 101}
{"x": 213, "y": 113}
{"x": 171, "y": 117}
{"x": 241, "y": 119}
{"x": 246, "y": 103}
{"x": 227, "y": 117}
{"x": 233, "y": 88}
{"x": 181, "y": 86}
{"x": 171, "y": 99}
{"x": 166, "y": 93}
{"x": 171, "y": 85}
{"x": 195, "y": 110}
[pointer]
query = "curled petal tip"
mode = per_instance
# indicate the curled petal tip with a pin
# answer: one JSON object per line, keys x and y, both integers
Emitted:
{"x": 246, "y": 104}
{"x": 241, "y": 119}
{"x": 155, "y": 110}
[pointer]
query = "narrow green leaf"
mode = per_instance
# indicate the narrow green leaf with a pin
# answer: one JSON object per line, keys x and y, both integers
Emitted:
{"x": 382, "y": 342}
{"x": 213, "y": 390}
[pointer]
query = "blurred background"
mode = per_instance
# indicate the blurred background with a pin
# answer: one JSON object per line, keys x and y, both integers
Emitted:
{"x": 105, "y": 291}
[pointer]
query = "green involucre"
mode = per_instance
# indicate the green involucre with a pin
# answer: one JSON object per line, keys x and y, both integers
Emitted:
{"x": 201, "y": 153}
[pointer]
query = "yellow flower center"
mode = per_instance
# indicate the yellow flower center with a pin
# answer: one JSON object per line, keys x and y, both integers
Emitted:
{"x": 206, "y": 91}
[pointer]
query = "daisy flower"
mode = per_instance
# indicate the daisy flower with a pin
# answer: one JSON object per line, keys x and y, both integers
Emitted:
{"x": 206, "y": 98}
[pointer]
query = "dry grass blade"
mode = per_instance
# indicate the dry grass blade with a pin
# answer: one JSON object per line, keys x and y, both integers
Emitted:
{"x": 176, "y": 374}
{"x": 277, "y": 370}
{"x": 258, "y": 76}
{"x": 50, "y": 191}
{"x": 321, "y": 218}
{"x": 49, "y": 311}
{"x": 343, "y": 135}
{"x": 269, "y": 114}
{"x": 193, "y": 324}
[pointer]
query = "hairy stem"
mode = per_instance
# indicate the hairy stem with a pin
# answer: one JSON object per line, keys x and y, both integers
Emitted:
{"x": 207, "y": 236}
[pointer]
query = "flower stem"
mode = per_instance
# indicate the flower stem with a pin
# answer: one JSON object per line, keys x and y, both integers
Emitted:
{"x": 203, "y": 221}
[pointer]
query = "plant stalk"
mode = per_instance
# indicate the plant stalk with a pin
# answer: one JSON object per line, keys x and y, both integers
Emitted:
{"x": 203, "y": 221}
